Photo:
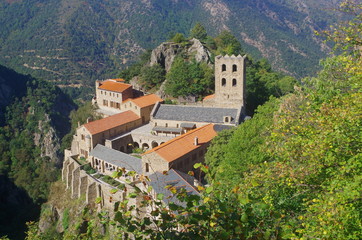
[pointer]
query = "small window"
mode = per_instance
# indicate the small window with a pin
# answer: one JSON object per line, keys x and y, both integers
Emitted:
{"x": 223, "y": 82}
{"x": 166, "y": 125}
{"x": 234, "y": 82}
{"x": 177, "y": 125}
{"x": 223, "y": 67}
{"x": 226, "y": 119}
{"x": 235, "y": 68}
{"x": 147, "y": 167}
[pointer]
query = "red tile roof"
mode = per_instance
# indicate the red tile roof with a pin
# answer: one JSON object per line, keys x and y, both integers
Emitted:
{"x": 146, "y": 101}
{"x": 113, "y": 86}
{"x": 118, "y": 79}
{"x": 184, "y": 144}
{"x": 107, "y": 123}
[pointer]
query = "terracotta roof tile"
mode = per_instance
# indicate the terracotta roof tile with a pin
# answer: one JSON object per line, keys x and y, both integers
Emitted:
{"x": 147, "y": 100}
{"x": 113, "y": 86}
{"x": 107, "y": 123}
{"x": 118, "y": 79}
{"x": 209, "y": 97}
{"x": 184, "y": 144}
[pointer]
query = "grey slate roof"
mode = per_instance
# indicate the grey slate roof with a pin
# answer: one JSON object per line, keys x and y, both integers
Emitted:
{"x": 195, "y": 114}
{"x": 117, "y": 158}
{"x": 175, "y": 178}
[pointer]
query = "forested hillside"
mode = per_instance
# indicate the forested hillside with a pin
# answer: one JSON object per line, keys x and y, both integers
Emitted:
{"x": 80, "y": 41}
{"x": 34, "y": 118}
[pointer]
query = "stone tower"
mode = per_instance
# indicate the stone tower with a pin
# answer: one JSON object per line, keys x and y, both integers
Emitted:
{"x": 229, "y": 82}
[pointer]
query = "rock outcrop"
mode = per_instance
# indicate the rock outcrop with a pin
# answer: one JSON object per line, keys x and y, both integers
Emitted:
{"x": 165, "y": 53}
{"x": 200, "y": 52}
{"x": 48, "y": 141}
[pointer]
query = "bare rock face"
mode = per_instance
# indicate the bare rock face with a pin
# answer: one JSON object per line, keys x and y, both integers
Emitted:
{"x": 201, "y": 53}
{"x": 51, "y": 218}
{"x": 48, "y": 141}
{"x": 161, "y": 92}
{"x": 165, "y": 53}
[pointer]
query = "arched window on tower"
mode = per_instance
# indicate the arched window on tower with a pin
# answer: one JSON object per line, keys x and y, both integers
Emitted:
{"x": 223, "y": 67}
{"x": 234, "y": 82}
{"x": 223, "y": 82}
{"x": 235, "y": 68}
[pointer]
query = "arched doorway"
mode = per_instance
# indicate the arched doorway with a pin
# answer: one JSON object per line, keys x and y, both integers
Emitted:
{"x": 136, "y": 145}
{"x": 154, "y": 144}
{"x": 145, "y": 146}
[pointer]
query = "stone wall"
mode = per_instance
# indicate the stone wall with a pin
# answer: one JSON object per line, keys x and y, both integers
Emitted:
{"x": 82, "y": 184}
{"x": 174, "y": 123}
{"x": 152, "y": 162}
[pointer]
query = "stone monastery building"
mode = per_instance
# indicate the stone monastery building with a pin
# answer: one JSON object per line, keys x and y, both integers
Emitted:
{"x": 174, "y": 137}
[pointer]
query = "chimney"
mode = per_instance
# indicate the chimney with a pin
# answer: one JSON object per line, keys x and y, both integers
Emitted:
{"x": 89, "y": 120}
{"x": 196, "y": 142}
{"x": 78, "y": 124}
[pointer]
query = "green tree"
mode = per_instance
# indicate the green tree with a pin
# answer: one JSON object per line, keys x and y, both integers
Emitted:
{"x": 233, "y": 153}
{"x": 347, "y": 34}
{"x": 228, "y": 44}
{"x": 178, "y": 79}
{"x": 135, "y": 69}
{"x": 189, "y": 78}
{"x": 178, "y": 38}
{"x": 152, "y": 76}
{"x": 198, "y": 32}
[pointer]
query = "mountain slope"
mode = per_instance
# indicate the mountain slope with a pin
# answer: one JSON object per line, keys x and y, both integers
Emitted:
{"x": 79, "y": 41}
{"x": 33, "y": 118}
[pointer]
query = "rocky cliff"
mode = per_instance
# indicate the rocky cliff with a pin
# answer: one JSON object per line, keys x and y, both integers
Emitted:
{"x": 166, "y": 52}
{"x": 48, "y": 141}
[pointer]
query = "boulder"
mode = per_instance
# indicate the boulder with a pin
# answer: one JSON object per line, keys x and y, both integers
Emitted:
{"x": 165, "y": 53}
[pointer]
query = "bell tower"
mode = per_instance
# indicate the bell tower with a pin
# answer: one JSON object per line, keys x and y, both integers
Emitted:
{"x": 230, "y": 80}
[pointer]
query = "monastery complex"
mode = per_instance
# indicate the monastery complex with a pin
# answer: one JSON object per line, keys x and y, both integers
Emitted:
{"x": 172, "y": 137}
